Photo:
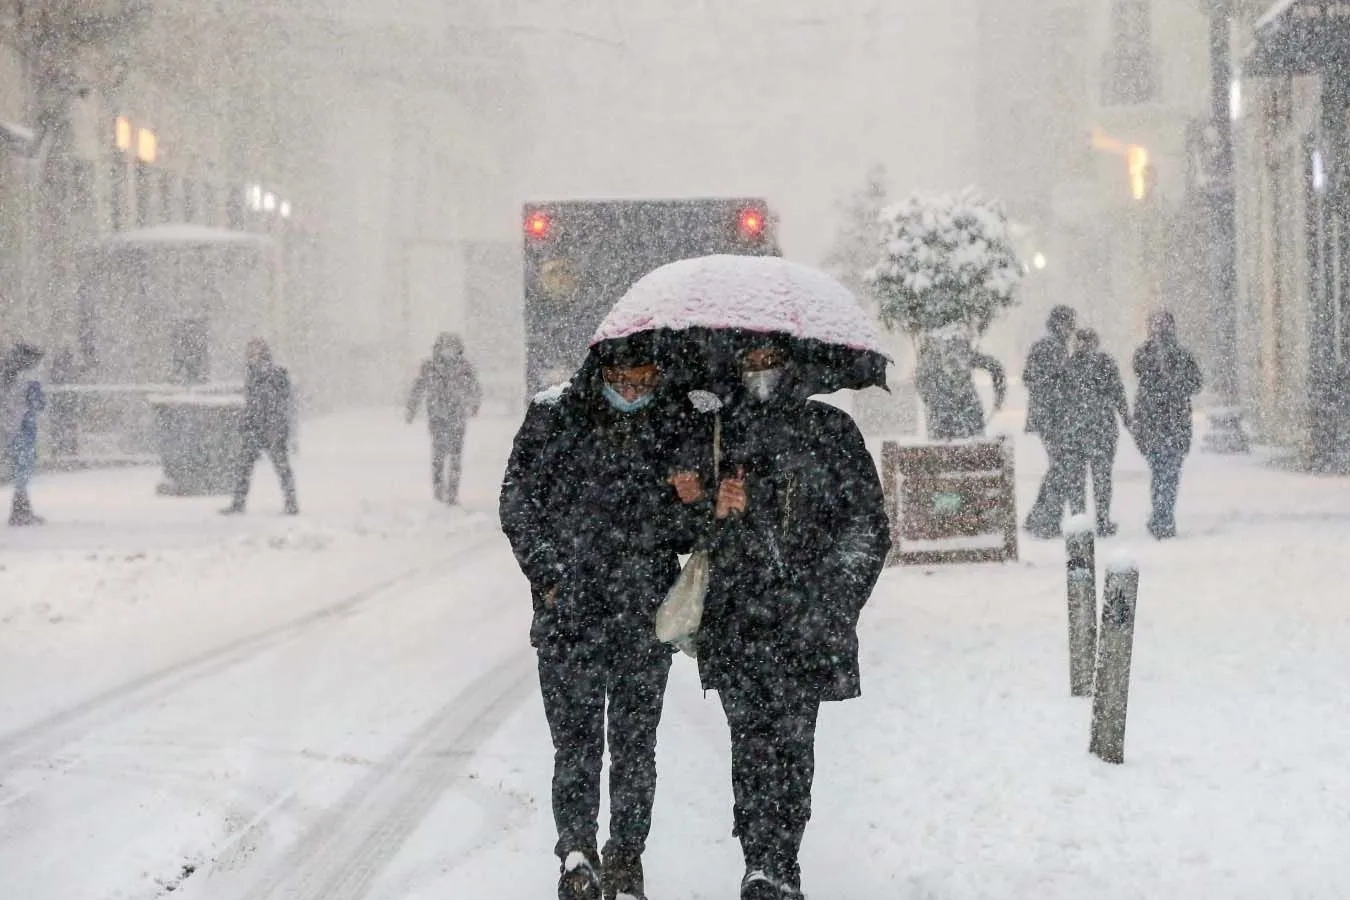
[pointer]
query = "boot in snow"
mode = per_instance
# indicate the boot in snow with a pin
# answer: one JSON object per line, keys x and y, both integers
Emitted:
{"x": 234, "y": 509}
{"x": 622, "y": 877}
{"x": 579, "y": 879}
{"x": 757, "y": 885}
{"x": 292, "y": 507}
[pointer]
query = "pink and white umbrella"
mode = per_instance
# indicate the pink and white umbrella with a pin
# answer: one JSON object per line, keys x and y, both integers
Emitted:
{"x": 758, "y": 295}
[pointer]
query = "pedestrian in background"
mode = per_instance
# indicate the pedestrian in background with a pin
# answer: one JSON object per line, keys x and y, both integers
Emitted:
{"x": 448, "y": 386}
{"x": 1169, "y": 378}
{"x": 1095, "y": 405}
{"x": 1044, "y": 377}
{"x": 23, "y": 402}
{"x": 265, "y": 428}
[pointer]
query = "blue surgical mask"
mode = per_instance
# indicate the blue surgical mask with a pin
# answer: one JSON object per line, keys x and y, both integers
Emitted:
{"x": 622, "y": 404}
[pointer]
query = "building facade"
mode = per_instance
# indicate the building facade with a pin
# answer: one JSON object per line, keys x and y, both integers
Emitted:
{"x": 347, "y": 142}
{"x": 1293, "y": 212}
{"x": 1085, "y": 110}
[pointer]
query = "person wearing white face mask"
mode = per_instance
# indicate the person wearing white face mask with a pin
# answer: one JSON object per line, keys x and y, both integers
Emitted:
{"x": 597, "y": 531}
{"x": 802, "y": 538}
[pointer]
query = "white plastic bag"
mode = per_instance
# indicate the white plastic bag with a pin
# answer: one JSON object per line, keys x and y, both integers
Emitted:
{"x": 681, "y": 613}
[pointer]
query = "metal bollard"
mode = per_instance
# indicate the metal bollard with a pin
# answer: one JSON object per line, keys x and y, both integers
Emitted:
{"x": 1111, "y": 696}
{"x": 1082, "y": 594}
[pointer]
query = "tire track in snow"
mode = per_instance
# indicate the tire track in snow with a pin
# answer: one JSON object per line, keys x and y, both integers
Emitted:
{"x": 340, "y": 857}
{"x": 46, "y": 736}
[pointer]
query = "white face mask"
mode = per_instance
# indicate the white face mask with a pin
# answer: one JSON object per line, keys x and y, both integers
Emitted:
{"x": 762, "y": 385}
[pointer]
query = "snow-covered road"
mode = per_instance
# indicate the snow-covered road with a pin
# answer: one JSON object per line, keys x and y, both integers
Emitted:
{"x": 344, "y": 706}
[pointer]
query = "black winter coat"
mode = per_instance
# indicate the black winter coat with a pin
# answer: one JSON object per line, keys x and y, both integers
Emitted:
{"x": 588, "y": 511}
{"x": 1043, "y": 376}
{"x": 267, "y": 403}
{"x": 1168, "y": 377}
{"x": 450, "y": 389}
{"x": 1094, "y": 404}
{"x": 790, "y": 577}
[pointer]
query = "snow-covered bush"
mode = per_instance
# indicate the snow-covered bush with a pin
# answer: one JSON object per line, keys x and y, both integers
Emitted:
{"x": 945, "y": 260}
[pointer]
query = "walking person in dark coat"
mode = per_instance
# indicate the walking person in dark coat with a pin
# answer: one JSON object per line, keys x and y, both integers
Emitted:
{"x": 22, "y": 401}
{"x": 1095, "y": 405}
{"x": 1169, "y": 378}
{"x": 265, "y": 427}
{"x": 1046, "y": 385}
{"x": 448, "y": 386}
{"x": 596, "y": 528}
{"x": 802, "y": 538}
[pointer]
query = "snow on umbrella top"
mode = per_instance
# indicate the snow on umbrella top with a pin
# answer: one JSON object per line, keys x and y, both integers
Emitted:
{"x": 756, "y": 294}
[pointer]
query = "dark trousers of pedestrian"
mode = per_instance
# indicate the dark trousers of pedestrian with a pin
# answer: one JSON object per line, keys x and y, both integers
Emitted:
{"x": 447, "y": 453}
{"x": 276, "y": 449}
{"x": 1100, "y": 463}
{"x": 773, "y": 765}
{"x": 1165, "y": 482}
{"x": 580, "y": 688}
{"x": 1047, "y": 514}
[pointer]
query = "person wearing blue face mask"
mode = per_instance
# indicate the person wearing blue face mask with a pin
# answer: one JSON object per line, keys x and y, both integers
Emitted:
{"x": 597, "y": 528}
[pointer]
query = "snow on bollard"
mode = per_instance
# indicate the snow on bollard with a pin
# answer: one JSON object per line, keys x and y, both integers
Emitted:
{"x": 1082, "y": 593}
{"x": 1116, "y": 649}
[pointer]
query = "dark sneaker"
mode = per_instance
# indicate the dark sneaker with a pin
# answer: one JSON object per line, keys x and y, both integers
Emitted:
{"x": 233, "y": 509}
{"x": 579, "y": 879}
{"x": 24, "y": 519}
{"x": 292, "y": 508}
{"x": 1108, "y": 529}
{"x": 757, "y": 885}
{"x": 622, "y": 877}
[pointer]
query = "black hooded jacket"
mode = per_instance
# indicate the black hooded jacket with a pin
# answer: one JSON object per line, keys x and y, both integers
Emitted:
{"x": 589, "y": 512}
{"x": 790, "y": 576}
{"x": 1168, "y": 378}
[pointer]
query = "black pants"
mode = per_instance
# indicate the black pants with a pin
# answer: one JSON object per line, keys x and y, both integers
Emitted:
{"x": 1101, "y": 463}
{"x": 577, "y": 684}
{"x": 1047, "y": 514}
{"x": 253, "y": 449}
{"x": 1165, "y": 471}
{"x": 447, "y": 452}
{"x": 773, "y": 764}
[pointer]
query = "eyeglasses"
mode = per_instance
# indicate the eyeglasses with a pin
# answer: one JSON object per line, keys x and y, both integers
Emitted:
{"x": 643, "y": 383}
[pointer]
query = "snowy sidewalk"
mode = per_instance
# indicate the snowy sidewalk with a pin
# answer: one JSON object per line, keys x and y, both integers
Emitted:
{"x": 123, "y": 581}
{"x": 964, "y": 771}
{"x": 355, "y": 714}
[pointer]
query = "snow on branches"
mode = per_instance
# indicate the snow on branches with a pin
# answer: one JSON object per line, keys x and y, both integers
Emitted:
{"x": 945, "y": 260}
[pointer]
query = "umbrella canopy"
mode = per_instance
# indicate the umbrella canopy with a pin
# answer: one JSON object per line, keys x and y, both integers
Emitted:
{"x": 708, "y": 299}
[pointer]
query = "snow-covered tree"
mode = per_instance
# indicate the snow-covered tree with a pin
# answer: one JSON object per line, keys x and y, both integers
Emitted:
{"x": 944, "y": 260}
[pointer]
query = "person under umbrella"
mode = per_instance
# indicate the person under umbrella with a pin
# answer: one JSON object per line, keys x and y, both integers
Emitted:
{"x": 597, "y": 531}
{"x": 802, "y": 539}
